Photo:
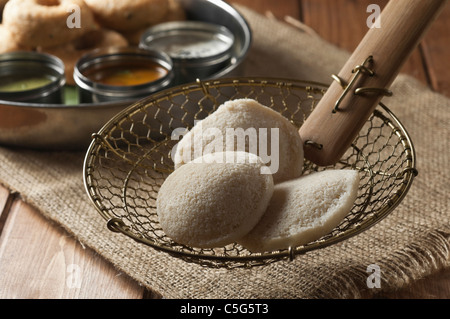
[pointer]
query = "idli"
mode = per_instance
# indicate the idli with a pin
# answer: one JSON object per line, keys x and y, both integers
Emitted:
{"x": 214, "y": 200}
{"x": 303, "y": 210}
{"x": 246, "y": 125}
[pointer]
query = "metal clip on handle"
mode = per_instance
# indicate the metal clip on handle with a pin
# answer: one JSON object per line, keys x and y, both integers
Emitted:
{"x": 358, "y": 70}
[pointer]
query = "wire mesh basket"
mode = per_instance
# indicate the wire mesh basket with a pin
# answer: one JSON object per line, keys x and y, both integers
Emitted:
{"x": 130, "y": 157}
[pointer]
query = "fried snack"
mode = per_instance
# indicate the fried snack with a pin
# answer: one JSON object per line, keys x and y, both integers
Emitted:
{"x": 8, "y": 43}
{"x": 304, "y": 210}
{"x": 213, "y": 201}
{"x": 70, "y": 53}
{"x": 45, "y": 23}
{"x": 131, "y": 15}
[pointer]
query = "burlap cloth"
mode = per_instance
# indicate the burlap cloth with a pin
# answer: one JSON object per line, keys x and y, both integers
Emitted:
{"x": 410, "y": 243}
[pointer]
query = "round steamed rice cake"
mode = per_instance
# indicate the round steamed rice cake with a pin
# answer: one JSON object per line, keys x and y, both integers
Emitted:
{"x": 212, "y": 202}
{"x": 303, "y": 210}
{"x": 246, "y": 116}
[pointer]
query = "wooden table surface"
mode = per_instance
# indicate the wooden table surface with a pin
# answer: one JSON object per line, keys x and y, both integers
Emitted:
{"x": 31, "y": 270}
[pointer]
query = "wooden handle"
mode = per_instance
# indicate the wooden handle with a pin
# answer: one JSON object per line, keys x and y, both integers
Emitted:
{"x": 339, "y": 116}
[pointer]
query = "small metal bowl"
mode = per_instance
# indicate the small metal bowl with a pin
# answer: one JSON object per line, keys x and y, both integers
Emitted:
{"x": 16, "y": 68}
{"x": 198, "y": 49}
{"x": 101, "y": 61}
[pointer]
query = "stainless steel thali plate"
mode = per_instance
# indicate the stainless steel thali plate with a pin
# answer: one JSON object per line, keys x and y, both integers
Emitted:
{"x": 69, "y": 127}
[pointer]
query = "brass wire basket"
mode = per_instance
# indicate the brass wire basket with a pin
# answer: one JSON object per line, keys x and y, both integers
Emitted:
{"x": 130, "y": 157}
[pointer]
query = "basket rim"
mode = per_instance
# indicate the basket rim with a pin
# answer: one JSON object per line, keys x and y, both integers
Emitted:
{"x": 118, "y": 226}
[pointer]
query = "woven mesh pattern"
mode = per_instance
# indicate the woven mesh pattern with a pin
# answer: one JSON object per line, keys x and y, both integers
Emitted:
{"x": 130, "y": 158}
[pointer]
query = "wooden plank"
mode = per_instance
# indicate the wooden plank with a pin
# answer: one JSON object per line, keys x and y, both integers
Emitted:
{"x": 436, "y": 51}
{"x": 5, "y": 205}
{"x": 344, "y": 23}
{"x": 278, "y": 10}
{"x": 4, "y": 194}
{"x": 39, "y": 260}
{"x": 340, "y": 22}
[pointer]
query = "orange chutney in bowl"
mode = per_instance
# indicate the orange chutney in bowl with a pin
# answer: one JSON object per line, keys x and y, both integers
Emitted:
{"x": 128, "y": 74}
